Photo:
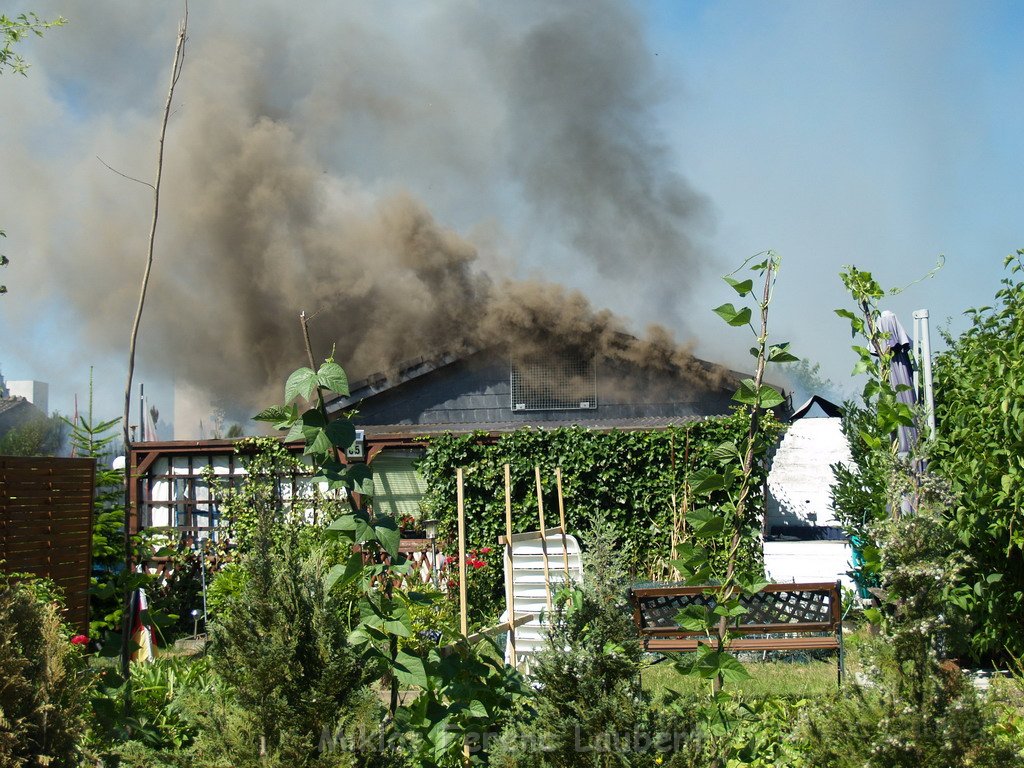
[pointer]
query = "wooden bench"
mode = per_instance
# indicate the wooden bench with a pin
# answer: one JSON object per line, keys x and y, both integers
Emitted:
{"x": 781, "y": 617}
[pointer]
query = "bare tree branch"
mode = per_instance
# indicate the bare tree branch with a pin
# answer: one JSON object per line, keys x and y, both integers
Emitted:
{"x": 125, "y": 175}
{"x": 176, "y": 66}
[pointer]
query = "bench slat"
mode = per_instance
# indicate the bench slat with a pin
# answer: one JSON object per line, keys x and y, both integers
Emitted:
{"x": 744, "y": 629}
{"x": 665, "y": 644}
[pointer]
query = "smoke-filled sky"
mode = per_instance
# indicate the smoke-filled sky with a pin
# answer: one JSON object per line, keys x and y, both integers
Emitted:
{"x": 435, "y": 175}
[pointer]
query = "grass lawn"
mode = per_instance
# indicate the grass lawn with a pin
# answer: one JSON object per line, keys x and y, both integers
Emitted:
{"x": 798, "y": 678}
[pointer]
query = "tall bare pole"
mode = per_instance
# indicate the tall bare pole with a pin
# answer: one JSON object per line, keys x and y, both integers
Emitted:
{"x": 511, "y": 586}
{"x": 463, "y": 608}
{"x": 561, "y": 521}
{"x": 543, "y": 540}
{"x": 176, "y": 66}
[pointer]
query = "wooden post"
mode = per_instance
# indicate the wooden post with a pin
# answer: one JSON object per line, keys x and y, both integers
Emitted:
{"x": 511, "y": 586}
{"x": 561, "y": 520}
{"x": 543, "y": 539}
{"x": 463, "y": 609}
{"x": 674, "y": 572}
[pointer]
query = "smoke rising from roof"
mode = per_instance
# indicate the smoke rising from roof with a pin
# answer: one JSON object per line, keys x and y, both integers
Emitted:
{"x": 313, "y": 159}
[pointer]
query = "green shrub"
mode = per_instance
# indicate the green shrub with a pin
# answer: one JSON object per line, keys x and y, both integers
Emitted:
{"x": 979, "y": 410}
{"x": 280, "y": 645}
{"x": 912, "y": 709}
{"x": 43, "y": 682}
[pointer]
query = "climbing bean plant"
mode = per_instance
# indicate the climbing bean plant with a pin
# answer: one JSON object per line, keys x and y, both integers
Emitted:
{"x": 626, "y": 477}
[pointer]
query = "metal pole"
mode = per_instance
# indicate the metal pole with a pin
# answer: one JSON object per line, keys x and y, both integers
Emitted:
{"x": 925, "y": 363}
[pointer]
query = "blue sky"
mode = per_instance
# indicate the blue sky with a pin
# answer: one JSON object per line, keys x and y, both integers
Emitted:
{"x": 877, "y": 134}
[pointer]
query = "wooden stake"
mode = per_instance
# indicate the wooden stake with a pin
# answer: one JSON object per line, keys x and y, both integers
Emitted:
{"x": 511, "y": 586}
{"x": 561, "y": 520}
{"x": 463, "y": 608}
{"x": 543, "y": 539}
{"x": 675, "y": 510}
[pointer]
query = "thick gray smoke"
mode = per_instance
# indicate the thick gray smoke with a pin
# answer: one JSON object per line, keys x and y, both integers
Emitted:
{"x": 414, "y": 175}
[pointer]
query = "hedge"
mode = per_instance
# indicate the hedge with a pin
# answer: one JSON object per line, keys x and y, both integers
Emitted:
{"x": 625, "y": 478}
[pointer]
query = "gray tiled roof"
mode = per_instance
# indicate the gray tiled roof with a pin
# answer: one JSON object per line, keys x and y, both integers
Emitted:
{"x": 10, "y": 403}
{"x": 642, "y": 422}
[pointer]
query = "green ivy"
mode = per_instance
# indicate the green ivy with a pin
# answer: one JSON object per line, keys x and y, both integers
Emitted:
{"x": 627, "y": 478}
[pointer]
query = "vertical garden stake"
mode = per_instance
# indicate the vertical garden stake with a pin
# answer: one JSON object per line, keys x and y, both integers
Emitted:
{"x": 543, "y": 539}
{"x": 561, "y": 520}
{"x": 463, "y": 614}
{"x": 511, "y": 567}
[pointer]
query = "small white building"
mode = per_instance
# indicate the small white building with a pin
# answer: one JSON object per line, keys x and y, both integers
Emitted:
{"x": 36, "y": 392}
{"x": 803, "y": 541}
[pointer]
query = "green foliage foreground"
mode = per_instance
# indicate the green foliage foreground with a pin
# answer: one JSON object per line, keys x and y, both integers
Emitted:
{"x": 979, "y": 450}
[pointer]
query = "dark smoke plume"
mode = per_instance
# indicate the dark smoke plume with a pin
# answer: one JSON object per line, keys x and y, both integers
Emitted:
{"x": 314, "y": 155}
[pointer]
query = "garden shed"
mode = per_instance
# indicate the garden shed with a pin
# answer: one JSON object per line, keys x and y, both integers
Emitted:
{"x": 483, "y": 392}
{"x": 803, "y": 541}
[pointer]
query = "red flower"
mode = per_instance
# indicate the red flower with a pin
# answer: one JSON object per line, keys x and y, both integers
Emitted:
{"x": 80, "y": 640}
{"x": 478, "y": 563}
{"x": 485, "y": 551}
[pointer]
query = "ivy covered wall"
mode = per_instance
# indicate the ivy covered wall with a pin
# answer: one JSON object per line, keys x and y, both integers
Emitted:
{"x": 625, "y": 477}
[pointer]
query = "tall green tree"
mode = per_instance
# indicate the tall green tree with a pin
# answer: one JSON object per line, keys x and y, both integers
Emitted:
{"x": 979, "y": 450}
{"x": 38, "y": 436}
{"x": 14, "y": 29}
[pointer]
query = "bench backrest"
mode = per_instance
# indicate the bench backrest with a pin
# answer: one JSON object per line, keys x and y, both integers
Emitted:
{"x": 778, "y": 608}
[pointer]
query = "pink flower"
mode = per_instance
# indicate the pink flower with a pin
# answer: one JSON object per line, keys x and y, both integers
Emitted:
{"x": 80, "y": 640}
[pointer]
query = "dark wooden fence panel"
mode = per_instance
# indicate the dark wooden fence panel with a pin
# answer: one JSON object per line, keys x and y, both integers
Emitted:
{"x": 46, "y": 507}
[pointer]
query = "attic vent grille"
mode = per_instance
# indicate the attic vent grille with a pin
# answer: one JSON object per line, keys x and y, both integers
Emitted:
{"x": 554, "y": 383}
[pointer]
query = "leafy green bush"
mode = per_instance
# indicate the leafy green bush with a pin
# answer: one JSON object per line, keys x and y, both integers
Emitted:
{"x": 628, "y": 478}
{"x": 43, "y": 682}
{"x": 912, "y": 710}
{"x": 147, "y": 714}
{"x": 979, "y": 410}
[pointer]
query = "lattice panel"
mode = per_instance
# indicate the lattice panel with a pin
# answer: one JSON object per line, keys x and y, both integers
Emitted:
{"x": 796, "y": 607}
{"x": 554, "y": 383}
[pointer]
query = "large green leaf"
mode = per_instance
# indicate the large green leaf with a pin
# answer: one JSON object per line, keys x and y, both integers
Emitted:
{"x": 301, "y": 383}
{"x": 709, "y": 482}
{"x": 343, "y": 575}
{"x": 731, "y": 669}
{"x": 317, "y": 442}
{"x": 733, "y": 316}
{"x": 742, "y": 287}
{"x": 779, "y": 353}
{"x": 769, "y": 397}
{"x": 281, "y": 416}
{"x": 387, "y": 533}
{"x": 359, "y": 478}
{"x": 747, "y": 393}
{"x": 410, "y": 670}
{"x": 694, "y": 618}
{"x": 386, "y": 614}
{"x": 331, "y": 376}
{"x": 342, "y": 433}
{"x": 705, "y": 523}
